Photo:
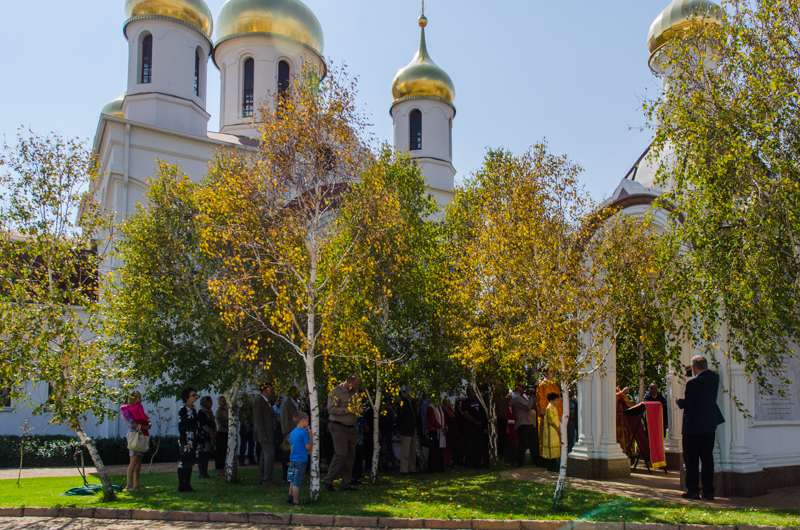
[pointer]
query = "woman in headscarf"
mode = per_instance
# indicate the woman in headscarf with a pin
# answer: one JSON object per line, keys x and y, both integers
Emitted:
{"x": 206, "y": 434}
{"x": 187, "y": 430}
{"x": 136, "y": 420}
{"x": 221, "y": 415}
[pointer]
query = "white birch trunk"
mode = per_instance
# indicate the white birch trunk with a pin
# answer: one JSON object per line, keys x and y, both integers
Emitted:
{"x": 491, "y": 418}
{"x": 108, "y": 490}
{"x": 308, "y": 358}
{"x": 231, "y": 462}
{"x": 313, "y": 403}
{"x": 562, "y": 470}
{"x": 640, "y": 353}
{"x": 491, "y": 414}
{"x": 376, "y": 415}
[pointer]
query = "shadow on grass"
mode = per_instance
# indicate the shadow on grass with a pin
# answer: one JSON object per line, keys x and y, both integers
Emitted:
{"x": 455, "y": 494}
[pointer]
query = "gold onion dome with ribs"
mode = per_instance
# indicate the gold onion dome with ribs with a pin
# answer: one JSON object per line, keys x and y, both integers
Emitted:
{"x": 195, "y": 13}
{"x": 114, "y": 107}
{"x": 288, "y": 19}
{"x": 678, "y": 17}
{"x": 422, "y": 77}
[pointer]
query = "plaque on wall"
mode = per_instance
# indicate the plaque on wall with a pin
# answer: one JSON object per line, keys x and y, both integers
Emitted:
{"x": 774, "y": 407}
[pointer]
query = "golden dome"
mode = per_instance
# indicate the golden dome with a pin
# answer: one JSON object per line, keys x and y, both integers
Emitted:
{"x": 195, "y": 13}
{"x": 114, "y": 107}
{"x": 422, "y": 78}
{"x": 287, "y": 19}
{"x": 678, "y": 17}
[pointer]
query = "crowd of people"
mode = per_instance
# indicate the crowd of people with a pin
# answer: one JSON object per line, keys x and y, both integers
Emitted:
{"x": 415, "y": 434}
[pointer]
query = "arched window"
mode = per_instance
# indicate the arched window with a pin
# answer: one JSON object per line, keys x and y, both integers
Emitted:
{"x": 283, "y": 77}
{"x": 197, "y": 73}
{"x": 247, "y": 93}
{"x": 147, "y": 59}
{"x": 415, "y": 120}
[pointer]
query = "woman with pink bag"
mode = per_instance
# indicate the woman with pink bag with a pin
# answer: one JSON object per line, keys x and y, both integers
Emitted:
{"x": 137, "y": 421}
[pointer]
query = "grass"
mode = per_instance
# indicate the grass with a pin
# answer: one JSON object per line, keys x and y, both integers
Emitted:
{"x": 456, "y": 494}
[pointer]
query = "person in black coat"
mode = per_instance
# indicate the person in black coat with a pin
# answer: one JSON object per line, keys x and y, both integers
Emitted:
{"x": 407, "y": 425}
{"x": 701, "y": 415}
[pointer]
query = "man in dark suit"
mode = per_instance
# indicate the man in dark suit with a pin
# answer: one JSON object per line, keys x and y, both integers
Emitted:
{"x": 264, "y": 426}
{"x": 701, "y": 415}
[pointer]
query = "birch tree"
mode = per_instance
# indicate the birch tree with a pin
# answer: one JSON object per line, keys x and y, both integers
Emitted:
{"x": 386, "y": 317}
{"x": 50, "y": 278}
{"x": 546, "y": 260}
{"x": 274, "y": 218}
{"x": 730, "y": 126}
{"x": 162, "y": 316}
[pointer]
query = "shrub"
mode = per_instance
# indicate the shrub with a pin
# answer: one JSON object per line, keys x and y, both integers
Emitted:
{"x": 58, "y": 451}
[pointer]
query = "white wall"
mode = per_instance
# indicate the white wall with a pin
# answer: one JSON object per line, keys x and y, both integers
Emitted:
{"x": 168, "y": 100}
{"x": 436, "y": 157}
{"x": 267, "y": 52}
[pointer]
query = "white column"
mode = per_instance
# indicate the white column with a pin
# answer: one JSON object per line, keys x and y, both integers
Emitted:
{"x": 585, "y": 444}
{"x": 609, "y": 448}
{"x": 676, "y": 389}
{"x": 739, "y": 456}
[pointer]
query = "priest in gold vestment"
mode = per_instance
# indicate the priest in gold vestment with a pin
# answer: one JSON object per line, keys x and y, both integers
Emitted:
{"x": 547, "y": 386}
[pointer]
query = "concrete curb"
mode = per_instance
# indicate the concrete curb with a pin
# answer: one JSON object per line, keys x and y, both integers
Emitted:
{"x": 346, "y": 521}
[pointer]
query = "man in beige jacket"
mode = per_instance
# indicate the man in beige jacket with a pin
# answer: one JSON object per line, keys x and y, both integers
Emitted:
{"x": 343, "y": 408}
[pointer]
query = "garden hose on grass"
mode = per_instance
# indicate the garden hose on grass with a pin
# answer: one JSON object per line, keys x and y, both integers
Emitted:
{"x": 86, "y": 489}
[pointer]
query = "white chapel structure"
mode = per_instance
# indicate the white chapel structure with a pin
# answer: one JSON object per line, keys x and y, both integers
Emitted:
{"x": 258, "y": 45}
{"x": 752, "y": 454}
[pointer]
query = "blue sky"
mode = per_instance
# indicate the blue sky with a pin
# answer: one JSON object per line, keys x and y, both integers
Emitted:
{"x": 574, "y": 72}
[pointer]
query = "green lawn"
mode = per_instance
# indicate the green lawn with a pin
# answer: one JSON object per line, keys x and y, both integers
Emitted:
{"x": 459, "y": 494}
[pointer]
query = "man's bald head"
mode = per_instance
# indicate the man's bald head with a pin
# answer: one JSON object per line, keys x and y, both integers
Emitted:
{"x": 353, "y": 382}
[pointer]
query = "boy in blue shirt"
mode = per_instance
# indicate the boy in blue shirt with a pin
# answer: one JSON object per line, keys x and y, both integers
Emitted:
{"x": 298, "y": 460}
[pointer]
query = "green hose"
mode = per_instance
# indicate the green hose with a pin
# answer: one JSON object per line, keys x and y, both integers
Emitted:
{"x": 86, "y": 489}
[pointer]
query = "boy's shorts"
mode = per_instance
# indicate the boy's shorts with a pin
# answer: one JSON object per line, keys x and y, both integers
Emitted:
{"x": 297, "y": 473}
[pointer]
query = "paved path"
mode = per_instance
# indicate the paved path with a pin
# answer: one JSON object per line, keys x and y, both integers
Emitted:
{"x": 661, "y": 487}
{"x": 60, "y": 523}
{"x": 72, "y": 472}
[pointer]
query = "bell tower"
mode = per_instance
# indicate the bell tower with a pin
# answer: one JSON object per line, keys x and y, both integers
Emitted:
{"x": 169, "y": 42}
{"x": 422, "y": 111}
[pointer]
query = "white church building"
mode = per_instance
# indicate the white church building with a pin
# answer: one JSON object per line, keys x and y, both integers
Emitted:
{"x": 257, "y": 47}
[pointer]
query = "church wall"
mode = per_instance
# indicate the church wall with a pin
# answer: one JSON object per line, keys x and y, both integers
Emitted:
{"x": 266, "y": 52}
{"x": 174, "y": 49}
{"x": 436, "y": 128}
{"x": 169, "y": 99}
{"x": 12, "y": 419}
{"x": 435, "y": 157}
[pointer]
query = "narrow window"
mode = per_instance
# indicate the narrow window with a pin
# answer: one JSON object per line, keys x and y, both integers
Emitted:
{"x": 450, "y": 128}
{"x": 5, "y": 396}
{"x": 416, "y": 130}
{"x": 51, "y": 394}
{"x": 283, "y": 77}
{"x": 247, "y": 94}
{"x": 147, "y": 59}
{"x": 197, "y": 73}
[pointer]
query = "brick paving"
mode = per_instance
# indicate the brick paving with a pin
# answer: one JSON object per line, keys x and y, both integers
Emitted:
{"x": 62, "y": 523}
{"x": 660, "y": 486}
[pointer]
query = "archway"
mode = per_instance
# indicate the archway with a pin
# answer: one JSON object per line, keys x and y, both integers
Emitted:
{"x": 596, "y": 454}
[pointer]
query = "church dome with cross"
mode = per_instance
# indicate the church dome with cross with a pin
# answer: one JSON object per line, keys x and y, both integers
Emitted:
{"x": 422, "y": 77}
